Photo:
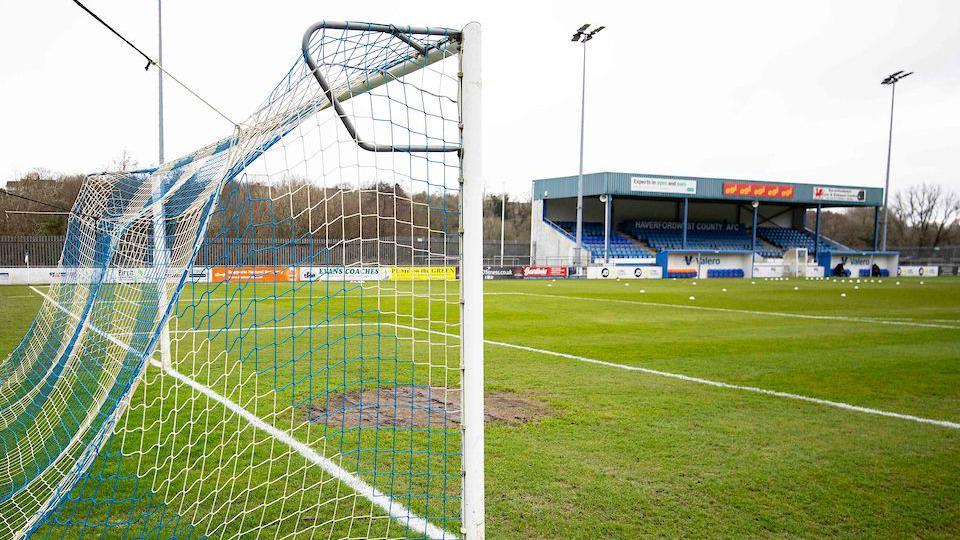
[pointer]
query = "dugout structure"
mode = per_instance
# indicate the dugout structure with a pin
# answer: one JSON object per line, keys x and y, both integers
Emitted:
{"x": 699, "y": 227}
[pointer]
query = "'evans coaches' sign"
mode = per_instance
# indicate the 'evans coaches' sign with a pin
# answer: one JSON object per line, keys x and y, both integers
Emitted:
{"x": 343, "y": 273}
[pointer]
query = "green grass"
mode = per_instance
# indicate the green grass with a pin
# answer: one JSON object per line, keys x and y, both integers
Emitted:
{"x": 627, "y": 454}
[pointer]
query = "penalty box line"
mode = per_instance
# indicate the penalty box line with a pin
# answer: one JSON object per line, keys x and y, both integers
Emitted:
{"x": 397, "y": 511}
{"x": 734, "y": 310}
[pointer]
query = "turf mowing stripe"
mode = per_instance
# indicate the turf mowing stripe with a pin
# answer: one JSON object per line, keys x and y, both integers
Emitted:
{"x": 741, "y": 311}
{"x": 396, "y": 510}
{"x": 678, "y": 376}
{"x": 718, "y": 384}
{"x": 754, "y": 389}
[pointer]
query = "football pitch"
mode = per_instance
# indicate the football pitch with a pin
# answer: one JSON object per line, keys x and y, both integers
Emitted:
{"x": 707, "y": 408}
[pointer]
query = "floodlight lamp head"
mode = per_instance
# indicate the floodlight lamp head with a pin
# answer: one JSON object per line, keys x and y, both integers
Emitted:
{"x": 603, "y": 198}
{"x": 755, "y": 204}
{"x": 581, "y": 32}
{"x": 894, "y": 78}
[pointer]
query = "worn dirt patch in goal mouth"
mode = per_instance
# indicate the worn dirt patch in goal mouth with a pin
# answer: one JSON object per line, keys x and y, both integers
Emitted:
{"x": 418, "y": 407}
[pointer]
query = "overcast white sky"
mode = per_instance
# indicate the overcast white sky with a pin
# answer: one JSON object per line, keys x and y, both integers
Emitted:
{"x": 764, "y": 90}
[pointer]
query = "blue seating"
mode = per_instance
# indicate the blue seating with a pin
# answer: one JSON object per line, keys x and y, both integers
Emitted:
{"x": 663, "y": 239}
{"x": 621, "y": 247}
{"x": 865, "y": 272}
{"x": 787, "y": 238}
{"x": 681, "y": 274}
{"x": 698, "y": 239}
{"x": 724, "y": 273}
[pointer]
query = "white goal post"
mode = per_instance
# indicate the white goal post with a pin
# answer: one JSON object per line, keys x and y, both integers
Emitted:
{"x": 795, "y": 262}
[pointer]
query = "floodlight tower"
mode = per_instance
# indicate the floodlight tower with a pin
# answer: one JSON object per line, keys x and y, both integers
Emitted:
{"x": 891, "y": 81}
{"x": 582, "y": 36}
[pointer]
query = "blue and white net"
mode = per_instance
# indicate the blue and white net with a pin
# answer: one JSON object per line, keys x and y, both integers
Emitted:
{"x": 310, "y": 288}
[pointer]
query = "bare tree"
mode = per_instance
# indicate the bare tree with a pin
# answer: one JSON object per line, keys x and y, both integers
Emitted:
{"x": 924, "y": 214}
{"x": 123, "y": 163}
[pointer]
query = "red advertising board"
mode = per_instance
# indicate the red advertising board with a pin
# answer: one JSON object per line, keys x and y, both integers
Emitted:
{"x": 544, "y": 271}
{"x": 757, "y": 191}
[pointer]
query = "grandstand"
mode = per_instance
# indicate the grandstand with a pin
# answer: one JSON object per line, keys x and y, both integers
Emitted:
{"x": 692, "y": 226}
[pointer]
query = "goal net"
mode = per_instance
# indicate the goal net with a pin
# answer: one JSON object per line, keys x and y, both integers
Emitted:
{"x": 278, "y": 335}
{"x": 795, "y": 262}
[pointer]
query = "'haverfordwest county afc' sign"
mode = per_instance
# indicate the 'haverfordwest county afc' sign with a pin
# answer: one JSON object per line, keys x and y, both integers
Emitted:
{"x": 756, "y": 190}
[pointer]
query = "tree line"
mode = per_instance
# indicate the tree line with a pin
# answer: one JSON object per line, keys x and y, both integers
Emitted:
{"x": 290, "y": 209}
{"x": 922, "y": 215}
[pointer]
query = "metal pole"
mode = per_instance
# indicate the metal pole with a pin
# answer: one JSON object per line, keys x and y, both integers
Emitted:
{"x": 876, "y": 227}
{"x": 686, "y": 209}
{"x": 886, "y": 185}
{"x": 583, "y": 105}
{"x": 160, "y": 76}
{"x": 161, "y": 256}
{"x": 471, "y": 287}
{"x": 503, "y": 222}
{"x": 606, "y": 228}
{"x": 816, "y": 234}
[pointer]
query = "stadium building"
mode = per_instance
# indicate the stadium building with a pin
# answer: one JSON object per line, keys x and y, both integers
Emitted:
{"x": 678, "y": 226}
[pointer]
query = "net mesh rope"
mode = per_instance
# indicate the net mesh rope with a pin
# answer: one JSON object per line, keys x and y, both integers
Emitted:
{"x": 313, "y": 382}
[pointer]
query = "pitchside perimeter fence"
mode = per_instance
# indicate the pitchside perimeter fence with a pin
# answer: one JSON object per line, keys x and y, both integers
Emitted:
{"x": 19, "y": 251}
{"x": 37, "y": 251}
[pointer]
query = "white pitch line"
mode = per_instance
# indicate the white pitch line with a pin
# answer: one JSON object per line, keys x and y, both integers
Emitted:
{"x": 718, "y": 384}
{"x": 732, "y": 310}
{"x": 396, "y": 510}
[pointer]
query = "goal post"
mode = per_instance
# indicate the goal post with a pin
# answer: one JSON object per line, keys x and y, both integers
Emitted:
{"x": 472, "y": 287}
{"x": 795, "y": 262}
{"x": 320, "y": 366}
